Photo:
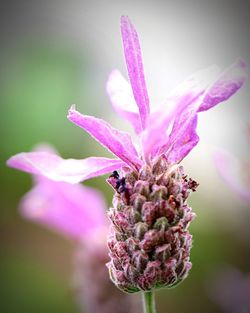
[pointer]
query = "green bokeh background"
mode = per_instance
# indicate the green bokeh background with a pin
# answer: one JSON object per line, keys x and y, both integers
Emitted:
{"x": 41, "y": 75}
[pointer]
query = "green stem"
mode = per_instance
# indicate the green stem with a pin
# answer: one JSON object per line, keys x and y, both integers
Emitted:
{"x": 148, "y": 302}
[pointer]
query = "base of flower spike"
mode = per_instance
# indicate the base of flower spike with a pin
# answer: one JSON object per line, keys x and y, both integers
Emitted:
{"x": 149, "y": 241}
{"x": 148, "y": 302}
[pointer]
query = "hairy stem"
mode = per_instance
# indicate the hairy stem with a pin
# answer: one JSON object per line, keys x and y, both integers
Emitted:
{"x": 148, "y": 302}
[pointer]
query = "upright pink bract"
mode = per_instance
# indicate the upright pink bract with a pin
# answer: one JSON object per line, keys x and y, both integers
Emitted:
{"x": 166, "y": 132}
{"x": 198, "y": 93}
{"x": 133, "y": 58}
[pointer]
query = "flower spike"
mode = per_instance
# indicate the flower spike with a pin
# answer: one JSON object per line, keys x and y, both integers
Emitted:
{"x": 149, "y": 240}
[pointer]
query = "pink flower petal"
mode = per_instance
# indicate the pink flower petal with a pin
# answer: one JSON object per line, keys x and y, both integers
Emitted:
{"x": 184, "y": 144}
{"x": 230, "y": 170}
{"x": 56, "y": 168}
{"x": 227, "y": 84}
{"x": 116, "y": 141}
{"x": 195, "y": 84}
{"x": 122, "y": 99}
{"x": 133, "y": 58}
{"x": 155, "y": 138}
{"x": 72, "y": 210}
{"x": 183, "y": 132}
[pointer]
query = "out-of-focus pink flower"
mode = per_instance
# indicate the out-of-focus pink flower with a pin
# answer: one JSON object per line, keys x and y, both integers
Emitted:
{"x": 75, "y": 211}
{"x": 95, "y": 291}
{"x": 230, "y": 289}
{"x": 235, "y": 173}
{"x": 78, "y": 212}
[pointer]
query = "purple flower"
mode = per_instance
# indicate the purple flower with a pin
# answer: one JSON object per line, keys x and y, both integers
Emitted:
{"x": 149, "y": 241}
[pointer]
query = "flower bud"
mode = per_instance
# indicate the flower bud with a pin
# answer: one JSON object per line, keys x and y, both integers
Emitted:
{"x": 150, "y": 219}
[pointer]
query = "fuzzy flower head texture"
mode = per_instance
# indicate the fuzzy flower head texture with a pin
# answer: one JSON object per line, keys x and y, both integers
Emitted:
{"x": 149, "y": 241}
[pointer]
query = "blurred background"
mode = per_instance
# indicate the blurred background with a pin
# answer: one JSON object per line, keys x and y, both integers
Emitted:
{"x": 55, "y": 53}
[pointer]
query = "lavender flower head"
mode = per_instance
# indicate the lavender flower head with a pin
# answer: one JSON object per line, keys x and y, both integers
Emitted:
{"x": 149, "y": 241}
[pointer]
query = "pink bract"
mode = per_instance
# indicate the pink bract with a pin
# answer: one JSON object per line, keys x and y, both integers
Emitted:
{"x": 56, "y": 168}
{"x": 169, "y": 131}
